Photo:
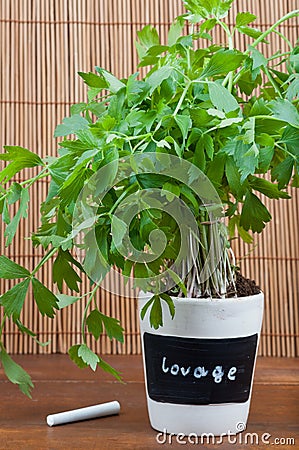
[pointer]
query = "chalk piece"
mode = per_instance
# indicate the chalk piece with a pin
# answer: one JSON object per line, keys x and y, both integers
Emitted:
{"x": 90, "y": 412}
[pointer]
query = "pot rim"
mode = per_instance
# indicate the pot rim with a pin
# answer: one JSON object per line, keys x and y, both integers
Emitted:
{"x": 193, "y": 300}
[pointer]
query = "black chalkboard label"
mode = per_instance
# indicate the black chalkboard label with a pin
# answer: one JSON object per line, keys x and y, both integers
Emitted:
{"x": 199, "y": 371}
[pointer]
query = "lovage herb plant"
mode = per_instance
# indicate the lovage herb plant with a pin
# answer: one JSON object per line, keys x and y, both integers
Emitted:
{"x": 231, "y": 114}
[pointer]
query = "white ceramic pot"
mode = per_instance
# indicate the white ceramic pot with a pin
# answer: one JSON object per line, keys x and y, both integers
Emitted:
{"x": 199, "y": 366}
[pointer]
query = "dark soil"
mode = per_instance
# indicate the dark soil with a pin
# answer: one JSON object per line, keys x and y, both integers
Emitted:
{"x": 244, "y": 287}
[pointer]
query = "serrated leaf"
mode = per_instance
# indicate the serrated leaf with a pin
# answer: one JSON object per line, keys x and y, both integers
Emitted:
{"x": 113, "y": 328}
{"x": 109, "y": 369}
{"x": 254, "y": 214}
{"x": 64, "y": 272}
{"x": 11, "y": 270}
{"x": 222, "y": 62}
{"x": 267, "y": 188}
{"x": 14, "y": 193}
{"x": 12, "y": 227}
{"x": 73, "y": 354}
{"x": 155, "y": 78}
{"x": 170, "y": 304}
{"x": 66, "y": 300}
{"x": 234, "y": 179}
{"x": 148, "y": 37}
{"x": 20, "y": 158}
{"x": 244, "y": 18}
{"x": 113, "y": 83}
{"x": 175, "y": 31}
{"x": 94, "y": 323}
{"x": 119, "y": 229}
{"x": 45, "y": 299}
{"x": 13, "y": 300}
{"x": 88, "y": 356}
{"x": 146, "y": 307}
{"x": 184, "y": 123}
{"x": 284, "y": 110}
{"x": 156, "y": 319}
{"x": 222, "y": 99}
{"x": 71, "y": 125}
{"x": 93, "y": 80}
{"x": 205, "y": 8}
{"x": 15, "y": 373}
{"x": 283, "y": 172}
{"x": 251, "y": 32}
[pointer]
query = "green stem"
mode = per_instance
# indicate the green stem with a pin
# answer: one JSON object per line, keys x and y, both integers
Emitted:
{"x": 181, "y": 99}
{"x": 119, "y": 200}
{"x": 284, "y": 38}
{"x": 83, "y": 325}
{"x": 44, "y": 260}
{"x": 230, "y": 75}
{"x": 288, "y": 16}
{"x": 272, "y": 81}
{"x": 2, "y": 327}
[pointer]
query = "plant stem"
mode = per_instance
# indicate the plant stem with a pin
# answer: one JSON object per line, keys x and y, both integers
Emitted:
{"x": 83, "y": 325}
{"x": 288, "y": 16}
{"x": 181, "y": 99}
{"x": 44, "y": 260}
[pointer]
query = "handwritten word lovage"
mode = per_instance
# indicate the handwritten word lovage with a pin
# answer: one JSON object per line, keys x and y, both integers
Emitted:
{"x": 199, "y": 371}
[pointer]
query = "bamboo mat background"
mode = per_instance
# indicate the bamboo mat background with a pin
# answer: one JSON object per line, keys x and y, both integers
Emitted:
{"x": 43, "y": 46}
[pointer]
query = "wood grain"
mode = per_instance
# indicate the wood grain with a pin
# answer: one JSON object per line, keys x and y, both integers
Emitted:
{"x": 59, "y": 386}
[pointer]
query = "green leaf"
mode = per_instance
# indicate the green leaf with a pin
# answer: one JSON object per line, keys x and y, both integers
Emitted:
{"x": 119, "y": 229}
{"x": 66, "y": 300}
{"x": 245, "y": 156}
{"x": 71, "y": 125}
{"x": 234, "y": 179}
{"x": 175, "y": 31}
{"x": 109, "y": 369}
{"x": 170, "y": 304}
{"x": 114, "y": 84}
{"x": 156, "y": 319}
{"x": 267, "y": 188}
{"x": 155, "y": 78}
{"x": 11, "y": 270}
{"x": 113, "y": 328}
{"x": 146, "y": 307}
{"x": 234, "y": 222}
{"x": 93, "y": 80}
{"x": 184, "y": 123}
{"x": 222, "y": 99}
{"x": 13, "y": 300}
{"x": 251, "y": 32}
{"x": 94, "y": 323}
{"x": 14, "y": 193}
{"x": 283, "y": 172}
{"x": 222, "y": 62}
{"x": 244, "y": 18}
{"x": 64, "y": 272}
{"x": 20, "y": 158}
{"x": 148, "y": 37}
{"x": 46, "y": 301}
{"x": 12, "y": 227}
{"x": 205, "y": 8}
{"x": 88, "y": 356}
{"x": 16, "y": 153}
{"x": 254, "y": 214}
{"x": 15, "y": 373}
{"x": 258, "y": 59}
{"x": 73, "y": 354}
{"x": 284, "y": 110}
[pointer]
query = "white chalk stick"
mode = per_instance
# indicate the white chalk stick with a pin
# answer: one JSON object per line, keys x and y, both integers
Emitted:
{"x": 90, "y": 412}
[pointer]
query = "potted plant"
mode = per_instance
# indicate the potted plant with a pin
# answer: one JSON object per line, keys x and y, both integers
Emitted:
{"x": 156, "y": 177}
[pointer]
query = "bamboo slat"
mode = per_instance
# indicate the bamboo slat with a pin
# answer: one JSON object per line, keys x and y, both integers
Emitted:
{"x": 43, "y": 46}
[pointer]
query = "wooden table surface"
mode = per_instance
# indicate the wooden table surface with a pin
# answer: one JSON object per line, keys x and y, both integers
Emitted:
{"x": 59, "y": 386}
